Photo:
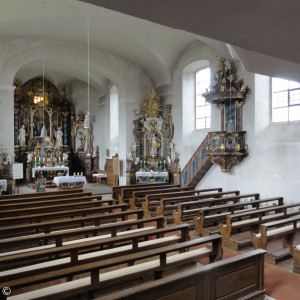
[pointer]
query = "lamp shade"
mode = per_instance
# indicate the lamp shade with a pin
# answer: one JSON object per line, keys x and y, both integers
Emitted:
{"x": 43, "y": 132}
{"x": 87, "y": 121}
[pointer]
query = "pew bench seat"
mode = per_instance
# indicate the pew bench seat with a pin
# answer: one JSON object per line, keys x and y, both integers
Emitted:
{"x": 96, "y": 254}
{"x": 295, "y": 250}
{"x": 93, "y": 238}
{"x": 285, "y": 230}
{"x": 73, "y": 250}
{"x": 126, "y": 274}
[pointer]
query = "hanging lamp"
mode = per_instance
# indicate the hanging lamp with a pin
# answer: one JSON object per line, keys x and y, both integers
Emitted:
{"x": 43, "y": 131}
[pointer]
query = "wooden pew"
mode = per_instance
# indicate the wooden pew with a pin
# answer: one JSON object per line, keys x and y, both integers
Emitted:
{"x": 29, "y": 251}
{"x": 139, "y": 196}
{"x": 108, "y": 279}
{"x": 207, "y": 221}
{"x": 40, "y": 203}
{"x": 60, "y": 214}
{"x": 38, "y": 195}
{"x": 127, "y": 242}
{"x": 52, "y": 208}
{"x": 217, "y": 280}
{"x": 246, "y": 222}
{"x": 152, "y": 201}
{"x": 186, "y": 211}
{"x": 51, "y": 225}
{"x": 116, "y": 190}
{"x": 58, "y": 237}
{"x": 126, "y": 193}
{"x": 283, "y": 229}
{"x": 167, "y": 205}
{"x": 295, "y": 251}
{"x": 44, "y": 198}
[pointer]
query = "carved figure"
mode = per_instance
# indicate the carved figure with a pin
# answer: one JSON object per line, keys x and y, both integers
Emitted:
{"x": 154, "y": 144}
{"x": 29, "y": 157}
{"x": 80, "y": 141}
{"x": 21, "y": 136}
{"x": 59, "y": 137}
{"x": 65, "y": 156}
{"x": 172, "y": 151}
{"x": 129, "y": 156}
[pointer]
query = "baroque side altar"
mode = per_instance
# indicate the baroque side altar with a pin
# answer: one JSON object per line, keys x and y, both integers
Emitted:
{"x": 153, "y": 151}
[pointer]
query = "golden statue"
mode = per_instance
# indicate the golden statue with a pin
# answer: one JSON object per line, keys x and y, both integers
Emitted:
{"x": 152, "y": 107}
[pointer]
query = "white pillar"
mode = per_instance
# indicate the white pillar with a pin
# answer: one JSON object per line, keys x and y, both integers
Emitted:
{"x": 7, "y": 117}
{"x": 126, "y": 117}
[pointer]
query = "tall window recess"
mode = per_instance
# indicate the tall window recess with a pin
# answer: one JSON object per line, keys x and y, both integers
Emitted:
{"x": 285, "y": 100}
{"x": 203, "y": 109}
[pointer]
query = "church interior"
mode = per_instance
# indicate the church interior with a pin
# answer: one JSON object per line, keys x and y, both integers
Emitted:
{"x": 148, "y": 149}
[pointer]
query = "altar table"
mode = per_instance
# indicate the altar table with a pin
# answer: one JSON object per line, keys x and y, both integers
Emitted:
{"x": 3, "y": 185}
{"x": 146, "y": 177}
{"x": 100, "y": 176}
{"x": 69, "y": 181}
{"x": 50, "y": 170}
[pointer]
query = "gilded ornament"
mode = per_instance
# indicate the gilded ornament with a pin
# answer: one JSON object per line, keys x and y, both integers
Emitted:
{"x": 152, "y": 107}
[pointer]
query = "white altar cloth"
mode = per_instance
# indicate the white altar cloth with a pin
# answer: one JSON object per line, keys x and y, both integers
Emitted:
{"x": 100, "y": 175}
{"x": 154, "y": 174}
{"x": 4, "y": 183}
{"x": 60, "y": 179}
{"x": 41, "y": 169}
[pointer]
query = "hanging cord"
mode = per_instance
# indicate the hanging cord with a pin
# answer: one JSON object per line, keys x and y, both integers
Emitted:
{"x": 43, "y": 33}
{"x": 149, "y": 74}
{"x": 88, "y": 36}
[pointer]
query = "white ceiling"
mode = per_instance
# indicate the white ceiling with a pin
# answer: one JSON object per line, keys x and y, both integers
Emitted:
{"x": 259, "y": 30}
{"x": 154, "y": 47}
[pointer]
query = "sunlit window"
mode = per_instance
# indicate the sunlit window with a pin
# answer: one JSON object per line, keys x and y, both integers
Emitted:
{"x": 203, "y": 116}
{"x": 285, "y": 100}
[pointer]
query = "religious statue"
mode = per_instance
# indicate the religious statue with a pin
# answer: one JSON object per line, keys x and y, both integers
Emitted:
{"x": 154, "y": 144}
{"x": 29, "y": 157}
{"x": 21, "y": 136}
{"x": 172, "y": 151}
{"x": 59, "y": 137}
{"x": 65, "y": 156}
{"x": 80, "y": 141}
{"x": 129, "y": 156}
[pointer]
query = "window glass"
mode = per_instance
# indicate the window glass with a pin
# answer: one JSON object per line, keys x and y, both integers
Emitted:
{"x": 202, "y": 107}
{"x": 285, "y": 100}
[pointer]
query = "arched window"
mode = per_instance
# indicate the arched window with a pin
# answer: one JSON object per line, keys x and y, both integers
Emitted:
{"x": 285, "y": 100}
{"x": 203, "y": 113}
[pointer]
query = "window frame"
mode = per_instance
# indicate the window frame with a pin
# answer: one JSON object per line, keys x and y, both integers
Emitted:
{"x": 288, "y": 106}
{"x": 206, "y": 103}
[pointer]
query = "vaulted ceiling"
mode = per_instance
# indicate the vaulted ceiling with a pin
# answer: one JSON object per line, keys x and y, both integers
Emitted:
{"x": 154, "y": 33}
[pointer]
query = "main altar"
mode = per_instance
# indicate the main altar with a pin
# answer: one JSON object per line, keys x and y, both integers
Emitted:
{"x": 152, "y": 157}
{"x": 50, "y": 139}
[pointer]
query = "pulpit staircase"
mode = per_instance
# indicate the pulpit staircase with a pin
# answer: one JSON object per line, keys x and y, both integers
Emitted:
{"x": 197, "y": 166}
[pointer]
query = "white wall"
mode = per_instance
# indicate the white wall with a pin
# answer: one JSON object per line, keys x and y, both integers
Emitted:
{"x": 272, "y": 165}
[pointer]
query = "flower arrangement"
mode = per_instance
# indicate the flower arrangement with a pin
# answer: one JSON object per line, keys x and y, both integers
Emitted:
{"x": 44, "y": 164}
